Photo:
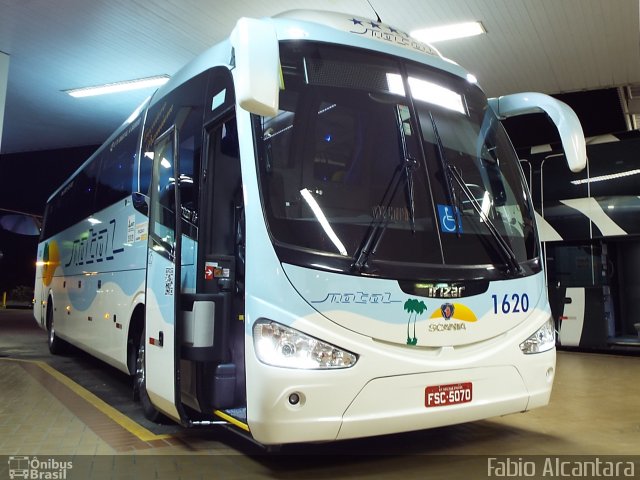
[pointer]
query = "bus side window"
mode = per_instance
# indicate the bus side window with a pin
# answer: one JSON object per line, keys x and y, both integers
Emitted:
{"x": 227, "y": 180}
{"x": 79, "y": 201}
{"x": 189, "y": 151}
{"x": 145, "y": 172}
{"x": 163, "y": 209}
{"x": 114, "y": 180}
{"x": 229, "y": 145}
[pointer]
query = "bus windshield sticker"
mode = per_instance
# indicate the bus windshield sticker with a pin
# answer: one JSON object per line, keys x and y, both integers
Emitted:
{"x": 141, "y": 231}
{"x": 447, "y": 218}
{"x": 208, "y": 271}
{"x": 131, "y": 229}
{"x": 214, "y": 270}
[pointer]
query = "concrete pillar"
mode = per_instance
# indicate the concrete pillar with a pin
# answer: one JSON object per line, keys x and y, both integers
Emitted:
{"x": 4, "y": 80}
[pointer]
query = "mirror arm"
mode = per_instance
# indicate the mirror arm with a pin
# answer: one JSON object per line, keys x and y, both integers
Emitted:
{"x": 563, "y": 116}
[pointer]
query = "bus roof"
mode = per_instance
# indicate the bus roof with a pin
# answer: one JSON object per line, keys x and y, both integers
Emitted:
{"x": 316, "y": 25}
{"x": 327, "y": 27}
{"x": 356, "y": 31}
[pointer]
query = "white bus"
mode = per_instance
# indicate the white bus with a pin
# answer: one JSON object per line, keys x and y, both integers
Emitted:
{"x": 317, "y": 230}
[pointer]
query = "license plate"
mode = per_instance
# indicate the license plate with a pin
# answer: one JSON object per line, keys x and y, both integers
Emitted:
{"x": 442, "y": 395}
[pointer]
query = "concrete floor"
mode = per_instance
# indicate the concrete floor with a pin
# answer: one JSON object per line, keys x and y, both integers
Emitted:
{"x": 77, "y": 409}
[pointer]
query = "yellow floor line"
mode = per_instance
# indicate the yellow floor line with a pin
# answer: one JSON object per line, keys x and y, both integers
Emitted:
{"x": 115, "y": 415}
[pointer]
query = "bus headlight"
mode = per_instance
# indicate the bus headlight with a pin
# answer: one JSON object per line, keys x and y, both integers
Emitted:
{"x": 283, "y": 346}
{"x": 542, "y": 340}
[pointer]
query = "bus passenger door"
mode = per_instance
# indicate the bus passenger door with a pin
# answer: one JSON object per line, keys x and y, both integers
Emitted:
{"x": 163, "y": 280}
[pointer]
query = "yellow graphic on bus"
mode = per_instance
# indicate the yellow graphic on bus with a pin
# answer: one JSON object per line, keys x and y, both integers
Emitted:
{"x": 50, "y": 260}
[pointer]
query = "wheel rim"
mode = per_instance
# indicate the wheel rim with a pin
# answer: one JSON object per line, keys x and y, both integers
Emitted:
{"x": 140, "y": 367}
{"x": 52, "y": 330}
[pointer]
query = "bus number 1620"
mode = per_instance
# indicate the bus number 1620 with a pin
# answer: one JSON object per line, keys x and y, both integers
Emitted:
{"x": 510, "y": 303}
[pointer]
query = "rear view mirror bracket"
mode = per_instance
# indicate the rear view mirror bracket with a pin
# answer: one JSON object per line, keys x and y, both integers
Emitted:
{"x": 564, "y": 118}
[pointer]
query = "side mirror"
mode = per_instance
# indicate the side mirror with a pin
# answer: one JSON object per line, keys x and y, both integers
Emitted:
{"x": 564, "y": 118}
{"x": 20, "y": 223}
{"x": 257, "y": 66}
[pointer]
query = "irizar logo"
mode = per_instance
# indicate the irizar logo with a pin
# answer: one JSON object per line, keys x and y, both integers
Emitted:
{"x": 445, "y": 291}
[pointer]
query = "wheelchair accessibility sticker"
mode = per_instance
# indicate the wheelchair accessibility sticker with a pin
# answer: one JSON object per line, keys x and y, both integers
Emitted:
{"x": 447, "y": 215}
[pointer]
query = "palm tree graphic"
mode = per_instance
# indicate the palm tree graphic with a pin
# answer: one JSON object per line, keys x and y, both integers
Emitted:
{"x": 413, "y": 307}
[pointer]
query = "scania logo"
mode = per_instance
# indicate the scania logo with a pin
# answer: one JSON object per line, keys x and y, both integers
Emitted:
{"x": 447, "y": 310}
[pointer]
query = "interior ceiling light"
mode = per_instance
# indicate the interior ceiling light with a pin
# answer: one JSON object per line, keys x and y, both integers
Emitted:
{"x": 119, "y": 86}
{"x": 448, "y": 32}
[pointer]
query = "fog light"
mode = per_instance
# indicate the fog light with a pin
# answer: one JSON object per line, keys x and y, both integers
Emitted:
{"x": 294, "y": 399}
{"x": 550, "y": 374}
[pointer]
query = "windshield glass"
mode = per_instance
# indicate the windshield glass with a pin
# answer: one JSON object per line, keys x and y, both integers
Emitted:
{"x": 354, "y": 164}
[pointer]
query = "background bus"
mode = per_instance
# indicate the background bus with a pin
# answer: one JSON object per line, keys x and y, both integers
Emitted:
{"x": 590, "y": 228}
{"x": 317, "y": 230}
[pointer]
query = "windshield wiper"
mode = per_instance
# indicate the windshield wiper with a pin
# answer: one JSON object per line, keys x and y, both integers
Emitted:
{"x": 451, "y": 172}
{"x": 503, "y": 246}
{"x": 378, "y": 225}
{"x": 410, "y": 165}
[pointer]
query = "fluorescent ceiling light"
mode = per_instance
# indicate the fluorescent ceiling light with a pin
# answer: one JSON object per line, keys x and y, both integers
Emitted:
{"x": 604, "y": 178}
{"x": 448, "y": 32}
{"x": 119, "y": 86}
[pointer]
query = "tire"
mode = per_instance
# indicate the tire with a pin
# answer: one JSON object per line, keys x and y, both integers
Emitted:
{"x": 56, "y": 344}
{"x": 140, "y": 385}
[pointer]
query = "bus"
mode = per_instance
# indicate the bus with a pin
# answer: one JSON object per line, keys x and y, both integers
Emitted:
{"x": 589, "y": 226}
{"x": 317, "y": 230}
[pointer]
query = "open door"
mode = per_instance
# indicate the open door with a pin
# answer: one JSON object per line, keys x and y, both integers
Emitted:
{"x": 162, "y": 365}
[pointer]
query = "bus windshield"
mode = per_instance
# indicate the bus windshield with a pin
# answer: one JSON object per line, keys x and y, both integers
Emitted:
{"x": 374, "y": 161}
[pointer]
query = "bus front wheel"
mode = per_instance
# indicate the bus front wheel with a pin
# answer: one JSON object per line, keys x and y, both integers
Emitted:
{"x": 140, "y": 385}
